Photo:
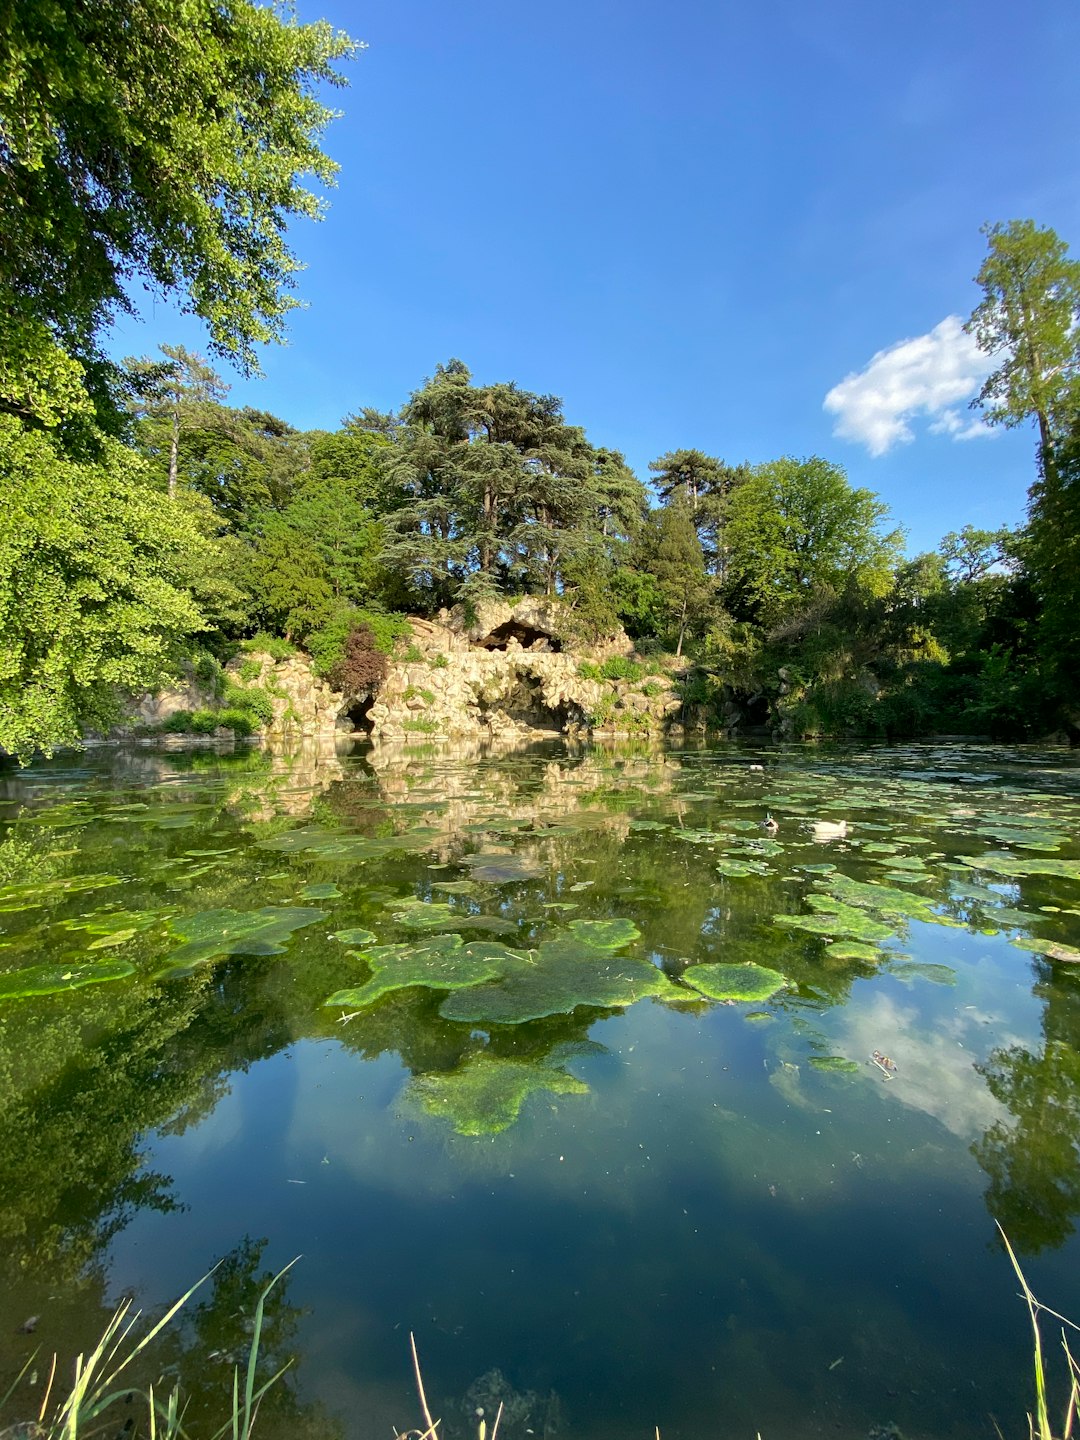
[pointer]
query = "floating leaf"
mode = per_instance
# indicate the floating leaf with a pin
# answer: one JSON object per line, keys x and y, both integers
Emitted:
{"x": 554, "y": 980}
{"x": 50, "y": 979}
{"x": 441, "y": 963}
{"x": 237, "y": 932}
{"x": 734, "y": 982}
{"x": 485, "y": 1096}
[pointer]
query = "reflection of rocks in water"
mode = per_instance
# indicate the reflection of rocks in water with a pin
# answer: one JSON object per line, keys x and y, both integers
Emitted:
{"x": 524, "y": 1412}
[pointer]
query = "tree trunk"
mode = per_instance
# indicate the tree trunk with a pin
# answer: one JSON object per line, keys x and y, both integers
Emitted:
{"x": 174, "y": 447}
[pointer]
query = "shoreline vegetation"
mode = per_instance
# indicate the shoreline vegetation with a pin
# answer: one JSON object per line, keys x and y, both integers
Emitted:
{"x": 103, "y": 1380}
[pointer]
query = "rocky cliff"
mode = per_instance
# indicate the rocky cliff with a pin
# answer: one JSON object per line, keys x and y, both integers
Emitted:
{"x": 499, "y": 674}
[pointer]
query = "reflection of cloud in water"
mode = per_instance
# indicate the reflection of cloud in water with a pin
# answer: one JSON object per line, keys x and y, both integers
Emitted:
{"x": 935, "y": 1059}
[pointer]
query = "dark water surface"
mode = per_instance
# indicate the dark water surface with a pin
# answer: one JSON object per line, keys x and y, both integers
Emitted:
{"x": 654, "y": 1208}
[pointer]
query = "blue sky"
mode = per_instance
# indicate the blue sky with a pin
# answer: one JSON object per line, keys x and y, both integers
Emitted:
{"x": 692, "y": 221}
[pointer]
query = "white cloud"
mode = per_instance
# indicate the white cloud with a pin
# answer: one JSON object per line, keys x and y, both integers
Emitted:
{"x": 927, "y": 376}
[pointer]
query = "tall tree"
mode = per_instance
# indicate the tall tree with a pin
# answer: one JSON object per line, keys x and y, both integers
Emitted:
{"x": 674, "y": 558}
{"x": 797, "y": 526}
{"x": 164, "y": 140}
{"x": 1029, "y": 316}
{"x": 169, "y": 395}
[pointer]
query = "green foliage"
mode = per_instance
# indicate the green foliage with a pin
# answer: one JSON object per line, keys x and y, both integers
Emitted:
{"x": 439, "y": 662}
{"x": 249, "y": 670}
{"x": 162, "y": 141}
{"x": 251, "y": 700}
{"x": 620, "y": 667}
{"x": 420, "y": 725}
{"x": 241, "y": 722}
{"x": 264, "y": 643}
{"x": 94, "y": 594}
{"x": 1028, "y": 316}
{"x": 734, "y": 982}
{"x": 589, "y": 670}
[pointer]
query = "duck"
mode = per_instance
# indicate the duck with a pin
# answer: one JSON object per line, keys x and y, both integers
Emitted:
{"x": 769, "y": 825}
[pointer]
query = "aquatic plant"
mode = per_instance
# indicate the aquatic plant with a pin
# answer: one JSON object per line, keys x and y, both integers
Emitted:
{"x": 237, "y": 932}
{"x": 734, "y": 982}
{"x": 98, "y": 1387}
{"x": 485, "y": 1095}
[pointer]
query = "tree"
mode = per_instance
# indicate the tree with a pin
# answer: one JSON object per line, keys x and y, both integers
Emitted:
{"x": 164, "y": 140}
{"x": 676, "y": 562}
{"x": 168, "y": 395}
{"x": 95, "y": 569}
{"x": 972, "y": 554}
{"x": 797, "y": 526}
{"x": 1029, "y": 316}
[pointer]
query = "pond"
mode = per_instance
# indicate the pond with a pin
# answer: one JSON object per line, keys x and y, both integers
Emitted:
{"x": 646, "y": 1087}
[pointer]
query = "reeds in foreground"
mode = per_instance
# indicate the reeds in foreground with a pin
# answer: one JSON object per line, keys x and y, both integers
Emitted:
{"x": 96, "y": 1386}
{"x": 1039, "y": 1426}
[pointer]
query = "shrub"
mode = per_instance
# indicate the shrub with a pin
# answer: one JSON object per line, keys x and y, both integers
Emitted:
{"x": 255, "y": 702}
{"x": 413, "y": 655}
{"x": 240, "y": 722}
{"x": 363, "y": 666}
{"x": 249, "y": 670}
{"x": 178, "y": 723}
{"x": 439, "y": 662}
{"x": 203, "y": 722}
{"x": 266, "y": 644}
{"x": 422, "y": 724}
{"x": 326, "y": 645}
{"x": 620, "y": 667}
{"x": 589, "y": 670}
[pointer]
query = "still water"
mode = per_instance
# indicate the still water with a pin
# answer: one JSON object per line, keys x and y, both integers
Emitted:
{"x": 534, "y": 1125}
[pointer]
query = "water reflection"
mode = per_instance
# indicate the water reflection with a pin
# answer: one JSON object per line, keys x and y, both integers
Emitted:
{"x": 684, "y": 1183}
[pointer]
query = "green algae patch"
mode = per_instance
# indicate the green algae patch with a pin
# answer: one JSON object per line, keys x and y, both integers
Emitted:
{"x": 909, "y": 970}
{"x": 834, "y": 1064}
{"x": 734, "y": 982}
{"x": 852, "y": 950}
{"x": 838, "y": 920}
{"x": 51, "y": 979}
{"x": 605, "y": 934}
{"x": 441, "y": 963}
{"x": 886, "y": 899}
{"x": 1052, "y": 949}
{"x": 325, "y": 891}
{"x": 496, "y": 868}
{"x": 563, "y": 974}
{"x": 237, "y": 932}
{"x": 357, "y": 936}
{"x": 1017, "y": 866}
{"x": 733, "y": 868}
{"x": 436, "y": 915}
{"x": 14, "y": 898}
{"x": 485, "y": 1096}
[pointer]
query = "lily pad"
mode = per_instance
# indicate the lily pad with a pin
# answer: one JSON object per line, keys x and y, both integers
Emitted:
{"x": 485, "y": 1096}
{"x": 442, "y": 963}
{"x": 554, "y": 980}
{"x": 50, "y": 979}
{"x": 734, "y": 982}
{"x": 237, "y": 932}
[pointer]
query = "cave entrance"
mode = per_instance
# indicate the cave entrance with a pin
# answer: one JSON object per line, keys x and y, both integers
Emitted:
{"x": 356, "y": 716}
{"x": 525, "y": 635}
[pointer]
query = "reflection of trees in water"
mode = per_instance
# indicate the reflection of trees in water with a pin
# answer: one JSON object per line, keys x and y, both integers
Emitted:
{"x": 1034, "y": 1162}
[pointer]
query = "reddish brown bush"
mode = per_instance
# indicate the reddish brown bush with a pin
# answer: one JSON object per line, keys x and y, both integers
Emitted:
{"x": 362, "y": 667}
